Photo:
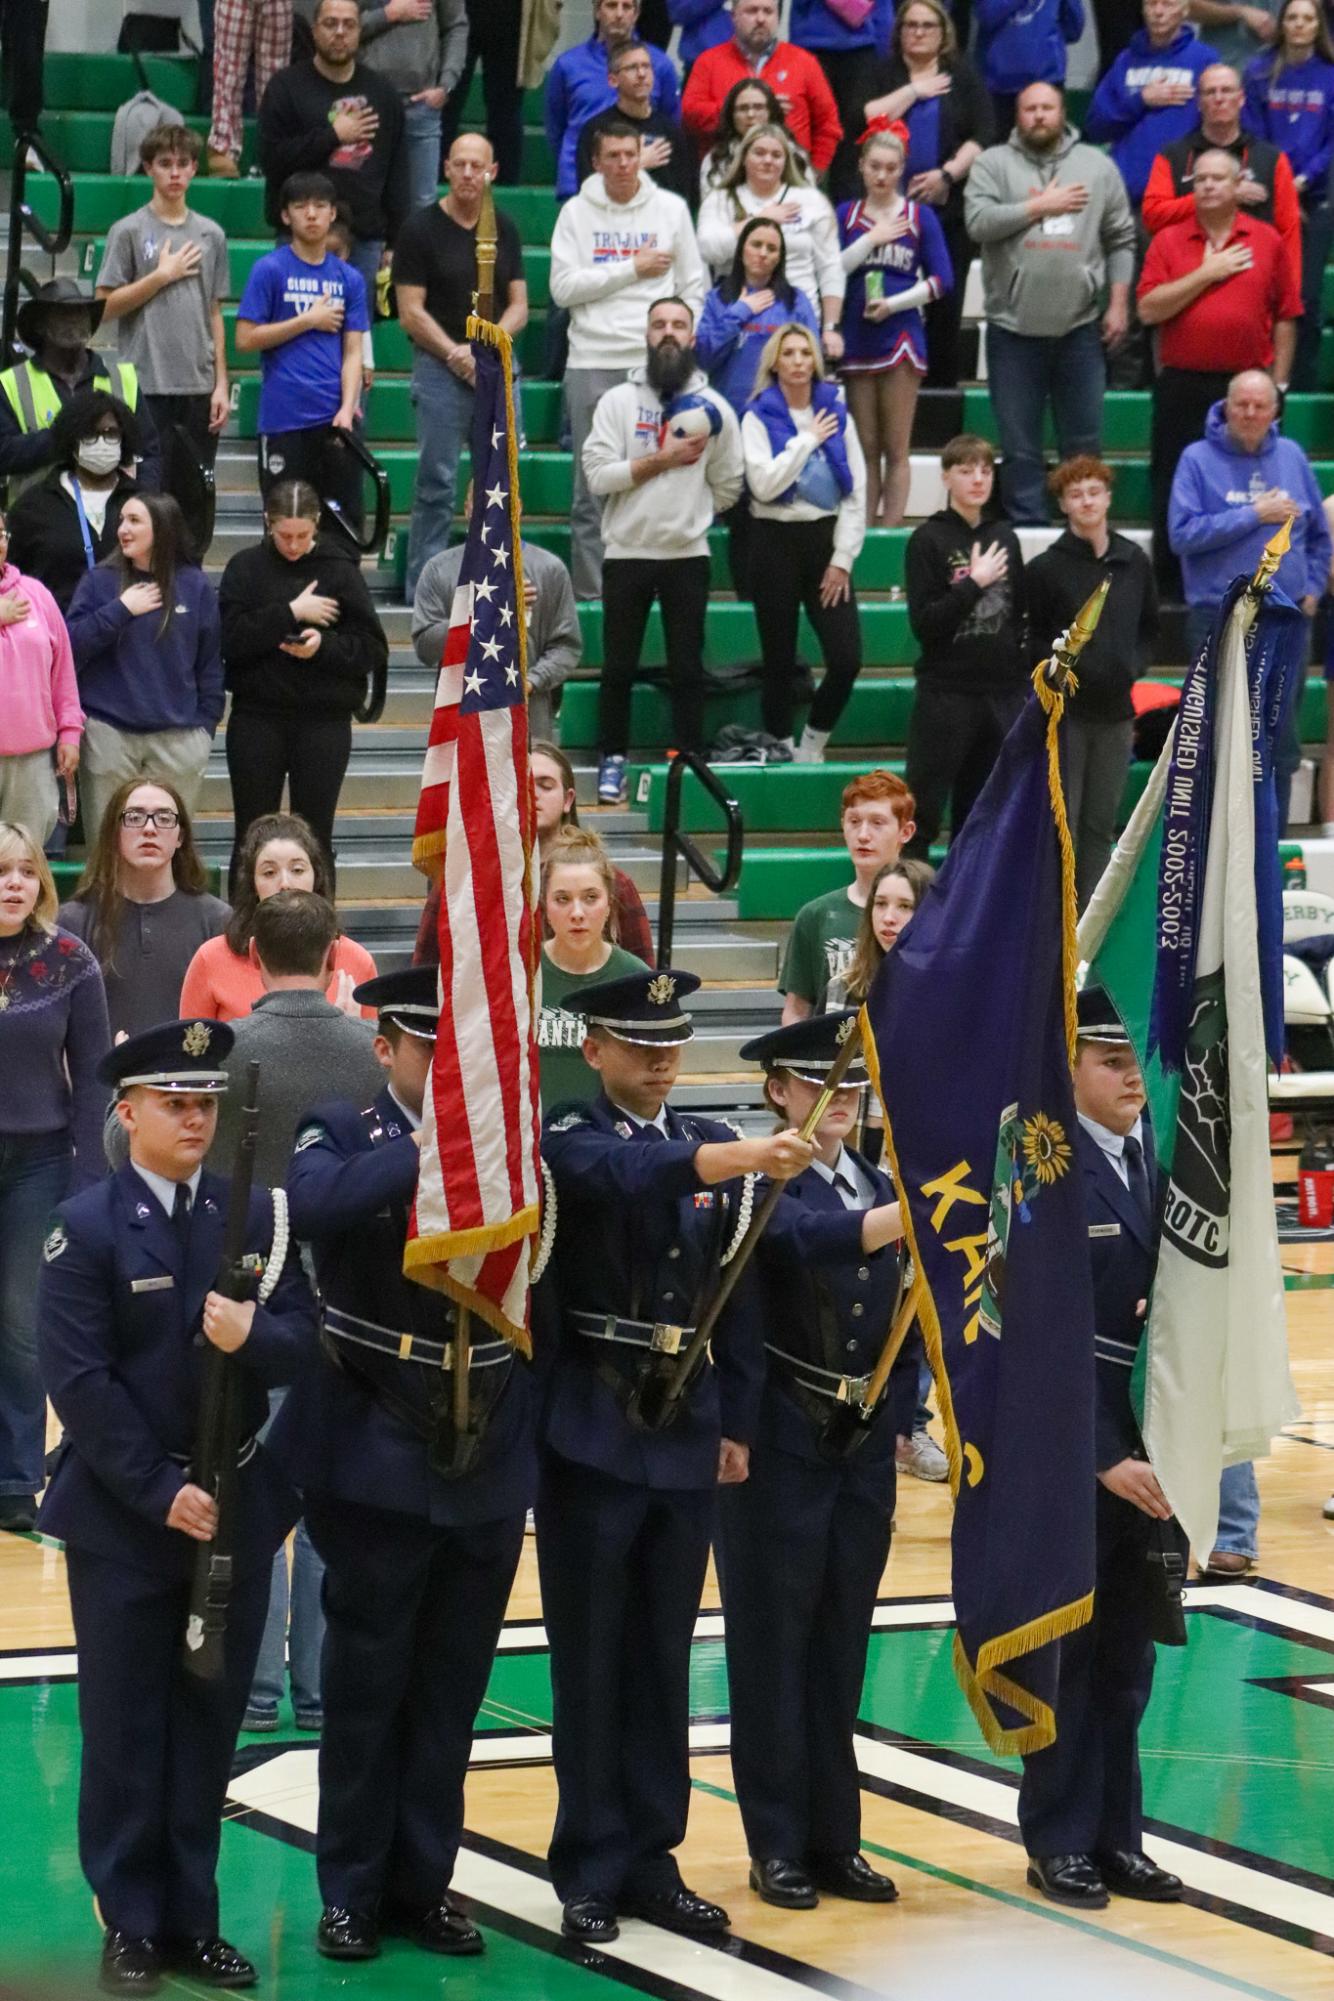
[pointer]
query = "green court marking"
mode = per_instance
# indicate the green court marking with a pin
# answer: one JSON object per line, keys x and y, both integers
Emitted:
{"x": 1308, "y": 1281}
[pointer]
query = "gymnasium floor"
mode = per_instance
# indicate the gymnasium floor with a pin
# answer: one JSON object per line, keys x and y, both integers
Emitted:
{"x": 1239, "y": 1783}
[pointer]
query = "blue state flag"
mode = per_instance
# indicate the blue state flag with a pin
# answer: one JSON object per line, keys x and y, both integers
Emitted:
{"x": 969, "y": 1029}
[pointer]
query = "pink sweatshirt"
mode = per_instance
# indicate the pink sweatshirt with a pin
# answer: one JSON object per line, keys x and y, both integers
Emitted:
{"x": 39, "y": 696}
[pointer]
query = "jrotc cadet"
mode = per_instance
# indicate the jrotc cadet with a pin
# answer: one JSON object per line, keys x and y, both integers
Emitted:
{"x": 419, "y": 1555}
{"x": 126, "y": 1290}
{"x": 1080, "y": 1806}
{"x": 650, "y": 1203}
{"x": 802, "y": 1545}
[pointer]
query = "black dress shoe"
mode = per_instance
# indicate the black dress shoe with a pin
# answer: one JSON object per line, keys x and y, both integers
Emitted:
{"x": 444, "y": 1928}
{"x": 210, "y": 1961}
{"x": 1127, "y": 1874}
{"x": 785, "y": 1883}
{"x": 18, "y": 1513}
{"x": 853, "y": 1877}
{"x": 1069, "y": 1879}
{"x": 347, "y": 1934}
{"x": 129, "y": 1965}
{"x": 678, "y": 1910}
{"x": 590, "y": 1920}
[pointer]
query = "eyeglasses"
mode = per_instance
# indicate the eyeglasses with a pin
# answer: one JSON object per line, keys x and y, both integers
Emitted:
{"x": 161, "y": 816}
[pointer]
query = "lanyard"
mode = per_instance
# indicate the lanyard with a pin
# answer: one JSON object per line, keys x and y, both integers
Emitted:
{"x": 88, "y": 556}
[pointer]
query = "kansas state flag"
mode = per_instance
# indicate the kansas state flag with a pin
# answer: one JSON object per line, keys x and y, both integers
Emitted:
{"x": 969, "y": 1030}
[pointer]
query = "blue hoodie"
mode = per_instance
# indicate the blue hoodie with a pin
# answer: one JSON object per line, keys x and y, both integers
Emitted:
{"x": 1118, "y": 114}
{"x": 703, "y": 24}
{"x": 730, "y": 339}
{"x": 816, "y": 26}
{"x": 1212, "y": 523}
{"x": 131, "y": 673}
{"x": 578, "y": 88}
{"x": 1295, "y": 112}
{"x": 1024, "y": 41}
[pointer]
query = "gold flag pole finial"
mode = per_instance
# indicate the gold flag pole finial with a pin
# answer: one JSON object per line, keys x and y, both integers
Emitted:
{"x": 1067, "y": 649}
{"x": 1275, "y": 549}
{"x": 484, "y": 298}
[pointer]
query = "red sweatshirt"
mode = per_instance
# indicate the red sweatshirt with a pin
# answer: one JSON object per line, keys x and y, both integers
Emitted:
{"x": 791, "y": 73}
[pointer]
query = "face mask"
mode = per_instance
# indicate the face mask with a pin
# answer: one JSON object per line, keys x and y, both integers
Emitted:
{"x": 99, "y": 455}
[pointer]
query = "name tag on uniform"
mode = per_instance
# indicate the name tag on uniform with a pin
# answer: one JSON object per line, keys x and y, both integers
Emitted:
{"x": 152, "y": 1284}
{"x": 1104, "y": 1229}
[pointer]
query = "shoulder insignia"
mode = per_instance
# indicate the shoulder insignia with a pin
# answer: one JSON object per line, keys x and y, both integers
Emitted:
{"x": 307, "y": 1137}
{"x": 568, "y": 1122}
{"x": 196, "y": 1039}
{"x": 625, "y": 1129}
{"x": 55, "y": 1243}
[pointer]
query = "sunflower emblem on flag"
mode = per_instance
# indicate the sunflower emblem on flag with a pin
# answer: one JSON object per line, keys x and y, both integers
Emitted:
{"x": 1031, "y": 1154}
{"x": 1047, "y": 1151}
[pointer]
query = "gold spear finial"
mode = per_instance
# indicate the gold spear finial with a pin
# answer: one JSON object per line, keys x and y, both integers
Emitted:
{"x": 1275, "y": 549}
{"x": 484, "y": 298}
{"x": 1067, "y": 649}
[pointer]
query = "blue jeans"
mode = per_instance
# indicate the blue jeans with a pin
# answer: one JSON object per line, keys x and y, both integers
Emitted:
{"x": 421, "y": 135}
{"x": 1023, "y": 373}
{"x": 1238, "y": 1511}
{"x": 294, "y": 1627}
{"x": 34, "y": 1177}
{"x": 444, "y": 422}
{"x": 922, "y": 1418}
{"x": 366, "y": 254}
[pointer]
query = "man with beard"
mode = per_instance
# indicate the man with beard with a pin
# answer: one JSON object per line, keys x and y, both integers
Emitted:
{"x": 664, "y": 455}
{"x": 1056, "y": 232}
{"x": 57, "y": 325}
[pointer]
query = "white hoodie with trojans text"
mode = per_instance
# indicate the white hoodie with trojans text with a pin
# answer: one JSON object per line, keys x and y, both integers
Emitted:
{"x": 593, "y": 270}
{"x": 668, "y": 518}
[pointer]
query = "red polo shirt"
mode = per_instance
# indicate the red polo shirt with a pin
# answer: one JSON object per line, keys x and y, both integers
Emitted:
{"x": 1230, "y": 325}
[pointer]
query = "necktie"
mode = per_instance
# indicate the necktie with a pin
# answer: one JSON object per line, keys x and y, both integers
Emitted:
{"x": 846, "y": 1191}
{"x": 1138, "y": 1174}
{"x": 180, "y": 1215}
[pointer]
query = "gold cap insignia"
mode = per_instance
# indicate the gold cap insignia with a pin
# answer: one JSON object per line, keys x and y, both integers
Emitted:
{"x": 845, "y": 1029}
{"x": 662, "y": 989}
{"x": 196, "y": 1039}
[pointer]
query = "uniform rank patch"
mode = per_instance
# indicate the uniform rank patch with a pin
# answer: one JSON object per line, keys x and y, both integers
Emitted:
{"x": 570, "y": 1120}
{"x": 307, "y": 1137}
{"x": 55, "y": 1244}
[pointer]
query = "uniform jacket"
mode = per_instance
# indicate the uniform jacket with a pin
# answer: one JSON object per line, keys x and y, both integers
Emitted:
{"x": 639, "y": 1236}
{"x": 1124, "y": 1256}
{"x": 121, "y": 1357}
{"x": 351, "y": 1181}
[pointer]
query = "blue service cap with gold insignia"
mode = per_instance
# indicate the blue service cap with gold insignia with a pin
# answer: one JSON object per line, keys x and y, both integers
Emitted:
{"x": 410, "y": 999}
{"x": 1098, "y": 1020}
{"x": 642, "y": 1007}
{"x": 175, "y": 1056}
{"x": 808, "y": 1048}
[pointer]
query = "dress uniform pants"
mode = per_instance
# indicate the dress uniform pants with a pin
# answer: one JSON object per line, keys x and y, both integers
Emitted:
{"x": 413, "y": 1611}
{"x": 1081, "y": 1796}
{"x": 801, "y": 1552}
{"x": 157, "y": 1743}
{"x": 622, "y": 1571}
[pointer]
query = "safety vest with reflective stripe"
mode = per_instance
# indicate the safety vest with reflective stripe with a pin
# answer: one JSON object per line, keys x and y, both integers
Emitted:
{"x": 32, "y": 396}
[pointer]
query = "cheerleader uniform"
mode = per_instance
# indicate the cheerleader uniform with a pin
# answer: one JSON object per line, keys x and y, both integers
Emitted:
{"x": 871, "y": 347}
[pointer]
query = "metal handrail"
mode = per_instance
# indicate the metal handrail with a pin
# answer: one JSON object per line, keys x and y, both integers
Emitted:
{"x": 365, "y": 545}
{"x": 677, "y": 844}
{"x": 23, "y": 217}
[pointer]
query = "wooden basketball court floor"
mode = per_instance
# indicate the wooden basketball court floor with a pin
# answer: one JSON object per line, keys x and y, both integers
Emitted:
{"x": 1239, "y": 1786}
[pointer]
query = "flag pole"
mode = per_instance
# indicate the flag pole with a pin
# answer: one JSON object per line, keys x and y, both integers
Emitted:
{"x": 1275, "y": 549}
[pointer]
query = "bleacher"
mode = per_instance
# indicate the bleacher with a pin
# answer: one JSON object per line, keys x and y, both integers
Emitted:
{"x": 792, "y": 845}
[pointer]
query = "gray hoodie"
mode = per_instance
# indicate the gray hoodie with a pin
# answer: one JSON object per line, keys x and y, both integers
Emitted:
{"x": 1047, "y": 277}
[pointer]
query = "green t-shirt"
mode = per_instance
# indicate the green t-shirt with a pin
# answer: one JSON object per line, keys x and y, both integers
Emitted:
{"x": 819, "y": 945}
{"x": 560, "y": 1028}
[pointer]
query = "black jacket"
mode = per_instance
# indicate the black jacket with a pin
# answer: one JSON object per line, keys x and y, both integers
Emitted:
{"x": 972, "y": 641}
{"x": 1257, "y": 156}
{"x": 44, "y": 537}
{"x": 964, "y": 112}
{"x": 255, "y": 601}
{"x": 1059, "y": 581}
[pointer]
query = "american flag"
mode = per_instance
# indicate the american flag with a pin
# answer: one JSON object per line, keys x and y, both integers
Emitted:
{"x": 478, "y": 1188}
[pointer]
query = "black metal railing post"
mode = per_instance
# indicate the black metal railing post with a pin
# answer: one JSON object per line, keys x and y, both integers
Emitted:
{"x": 679, "y": 846}
{"x": 23, "y": 218}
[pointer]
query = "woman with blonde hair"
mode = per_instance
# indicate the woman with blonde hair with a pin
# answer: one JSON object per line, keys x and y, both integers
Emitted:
{"x": 53, "y": 1034}
{"x": 807, "y": 481}
{"x": 578, "y": 904}
{"x": 767, "y": 178}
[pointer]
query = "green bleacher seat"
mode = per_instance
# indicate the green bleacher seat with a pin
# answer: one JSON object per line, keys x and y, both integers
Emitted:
{"x": 864, "y": 721}
{"x": 103, "y": 82}
{"x": 393, "y": 349}
{"x": 391, "y": 418}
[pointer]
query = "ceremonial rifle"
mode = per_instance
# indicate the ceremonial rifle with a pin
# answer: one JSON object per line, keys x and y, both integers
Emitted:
{"x": 218, "y": 1435}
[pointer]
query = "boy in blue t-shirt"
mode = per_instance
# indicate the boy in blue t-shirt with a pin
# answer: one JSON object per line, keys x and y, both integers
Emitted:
{"x": 304, "y": 312}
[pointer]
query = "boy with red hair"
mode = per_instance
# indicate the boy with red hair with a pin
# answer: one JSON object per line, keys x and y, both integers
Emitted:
{"x": 877, "y": 821}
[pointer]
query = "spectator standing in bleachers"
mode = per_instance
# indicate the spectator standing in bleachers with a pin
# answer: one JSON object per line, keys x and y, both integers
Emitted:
{"x": 876, "y": 822}
{"x": 1221, "y": 290}
{"x": 435, "y": 277}
{"x": 750, "y": 102}
{"x": 243, "y": 31}
{"x": 304, "y": 311}
{"x": 1238, "y": 29}
{"x": 163, "y": 278}
{"x": 767, "y": 177}
{"x": 64, "y": 523}
{"x": 579, "y": 86}
{"x": 1290, "y": 102}
{"x": 419, "y": 47}
{"x": 40, "y": 718}
{"x": 53, "y": 1034}
{"x": 1020, "y": 42}
{"x": 555, "y": 642}
{"x": 143, "y": 905}
{"x": 1266, "y": 190}
{"x": 223, "y": 981}
{"x": 663, "y": 455}
{"x": 1099, "y": 725}
{"x": 619, "y": 244}
{"x": 703, "y": 24}
{"x": 846, "y": 42}
{"x": 511, "y": 39}
{"x": 335, "y": 116}
{"x": 754, "y": 54}
{"x": 896, "y": 263}
{"x": 1057, "y": 239}
{"x": 807, "y": 481}
{"x": 925, "y": 81}
{"x": 299, "y": 640}
{"x": 665, "y": 154}
{"x": 57, "y": 325}
{"x": 144, "y": 628}
{"x": 582, "y": 947}
{"x": 967, "y": 607}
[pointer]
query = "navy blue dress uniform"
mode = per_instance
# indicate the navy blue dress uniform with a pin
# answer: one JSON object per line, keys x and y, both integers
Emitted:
{"x": 419, "y": 1558}
{"x": 625, "y": 1515}
{"x": 803, "y": 1542}
{"x": 1080, "y": 1799}
{"x": 122, "y": 1291}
